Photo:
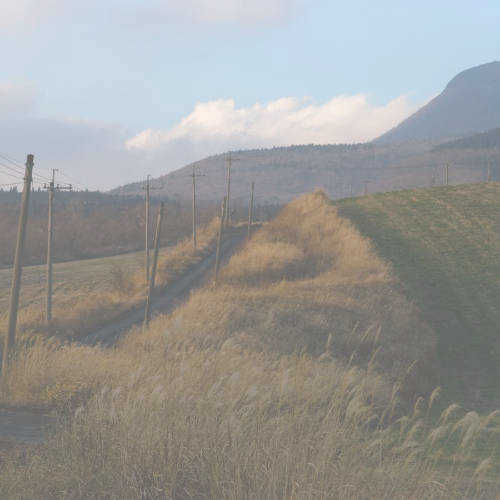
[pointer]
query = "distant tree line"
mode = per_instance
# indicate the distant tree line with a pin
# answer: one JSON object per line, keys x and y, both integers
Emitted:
{"x": 89, "y": 225}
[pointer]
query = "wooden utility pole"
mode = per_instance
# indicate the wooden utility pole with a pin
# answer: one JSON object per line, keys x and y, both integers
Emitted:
{"x": 219, "y": 240}
{"x": 250, "y": 211}
{"x": 194, "y": 207}
{"x": 489, "y": 172}
{"x": 228, "y": 188}
{"x": 446, "y": 168}
{"x": 50, "y": 236}
{"x": 155, "y": 263}
{"x": 51, "y": 187}
{"x": 193, "y": 176}
{"x": 10, "y": 338}
{"x": 146, "y": 246}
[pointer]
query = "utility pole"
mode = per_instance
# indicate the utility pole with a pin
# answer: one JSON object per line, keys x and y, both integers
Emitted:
{"x": 147, "y": 197}
{"x": 146, "y": 246}
{"x": 194, "y": 207}
{"x": 16, "y": 278}
{"x": 193, "y": 176}
{"x": 228, "y": 187}
{"x": 219, "y": 240}
{"x": 446, "y": 168}
{"x": 366, "y": 187}
{"x": 51, "y": 187}
{"x": 489, "y": 171}
{"x": 50, "y": 235}
{"x": 151, "y": 282}
{"x": 250, "y": 210}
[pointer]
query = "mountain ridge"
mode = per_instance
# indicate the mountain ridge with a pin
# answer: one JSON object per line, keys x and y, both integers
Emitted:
{"x": 407, "y": 156}
{"x": 469, "y": 104}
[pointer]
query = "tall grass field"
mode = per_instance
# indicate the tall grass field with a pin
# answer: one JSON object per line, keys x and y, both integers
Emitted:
{"x": 310, "y": 372}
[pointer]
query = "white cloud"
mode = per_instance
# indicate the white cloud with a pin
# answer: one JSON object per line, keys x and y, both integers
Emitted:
{"x": 17, "y": 14}
{"x": 217, "y": 126}
{"x": 217, "y": 11}
{"x": 14, "y": 13}
{"x": 105, "y": 155}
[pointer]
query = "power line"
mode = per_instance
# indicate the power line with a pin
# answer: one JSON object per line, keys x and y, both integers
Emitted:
{"x": 18, "y": 172}
{"x": 19, "y": 168}
{"x": 9, "y": 174}
{"x": 11, "y": 184}
{"x": 11, "y": 160}
{"x": 76, "y": 182}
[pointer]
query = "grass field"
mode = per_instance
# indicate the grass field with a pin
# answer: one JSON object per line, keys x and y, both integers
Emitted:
{"x": 89, "y": 293}
{"x": 444, "y": 245}
{"x": 294, "y": 378}
{"x": 70, "y": 279}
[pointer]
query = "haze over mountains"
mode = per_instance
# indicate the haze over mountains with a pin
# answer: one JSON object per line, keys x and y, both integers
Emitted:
{"x": 413, "y": 154}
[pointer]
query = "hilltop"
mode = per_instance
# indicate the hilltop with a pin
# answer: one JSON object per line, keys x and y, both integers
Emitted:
{"x": 470, "y": 103}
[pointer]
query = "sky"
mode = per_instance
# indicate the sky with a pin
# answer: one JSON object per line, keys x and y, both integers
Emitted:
{"x": 109, "y": 91}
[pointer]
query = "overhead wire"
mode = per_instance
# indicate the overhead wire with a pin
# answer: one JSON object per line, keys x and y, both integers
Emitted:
{"x": 11, "y": 160}
{"x": 11, "y": 184}
{"x": 9, "y": 173}
{"x": 18, "y": 167}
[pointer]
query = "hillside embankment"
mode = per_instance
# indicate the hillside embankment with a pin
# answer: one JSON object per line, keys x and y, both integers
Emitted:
{"x": 443, "y": 245}
{"x": 298, "y": 376}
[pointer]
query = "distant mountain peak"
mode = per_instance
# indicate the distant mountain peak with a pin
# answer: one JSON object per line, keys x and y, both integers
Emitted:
{"x": 469, "y": 104}
{"x": 483, "y": 75}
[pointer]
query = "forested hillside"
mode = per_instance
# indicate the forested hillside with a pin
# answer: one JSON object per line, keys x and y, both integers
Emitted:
{"x": 281, "y": 174}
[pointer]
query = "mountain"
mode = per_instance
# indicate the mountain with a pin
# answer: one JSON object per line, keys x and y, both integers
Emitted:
{"x": 469, "y": 104}
{"x": 342, "y": 170}
{"x": 407, "y": 156}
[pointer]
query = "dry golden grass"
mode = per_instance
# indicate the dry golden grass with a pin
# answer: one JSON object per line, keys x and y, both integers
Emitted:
{"x": 307, "y": 276}
{"x": 261, "y": 388}
{"x": 94, "y": 299}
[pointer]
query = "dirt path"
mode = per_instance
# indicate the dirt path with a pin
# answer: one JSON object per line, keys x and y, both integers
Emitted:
{"x": 173, "y": 295}
{"x": 27, "y": 425}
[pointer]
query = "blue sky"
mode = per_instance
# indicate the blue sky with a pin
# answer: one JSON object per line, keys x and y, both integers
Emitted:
{"x": 154, "y": 84}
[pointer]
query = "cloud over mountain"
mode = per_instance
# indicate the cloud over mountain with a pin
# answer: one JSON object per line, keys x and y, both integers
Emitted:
{"x": 105, "y": 154}
{"x": 220, "y": 125}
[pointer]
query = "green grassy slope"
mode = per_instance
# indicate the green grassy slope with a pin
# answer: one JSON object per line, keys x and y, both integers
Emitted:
{"x": 444, "y": 244}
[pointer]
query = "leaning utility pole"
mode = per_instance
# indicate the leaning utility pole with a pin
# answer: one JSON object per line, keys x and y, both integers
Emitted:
{"x": 147, "y": 201}
{"x": 194, "y": 207}
{"x": 219, "y": 240}
{"x": 228, "y": 188}
{"x": 148, "y": 188}
{"x": 16, "y": 278}
{"x": 194, "y": 175}
{"x": 151, "y": 284}
{"x": 250, "y": 210}
{"x": 51, "y": 187}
